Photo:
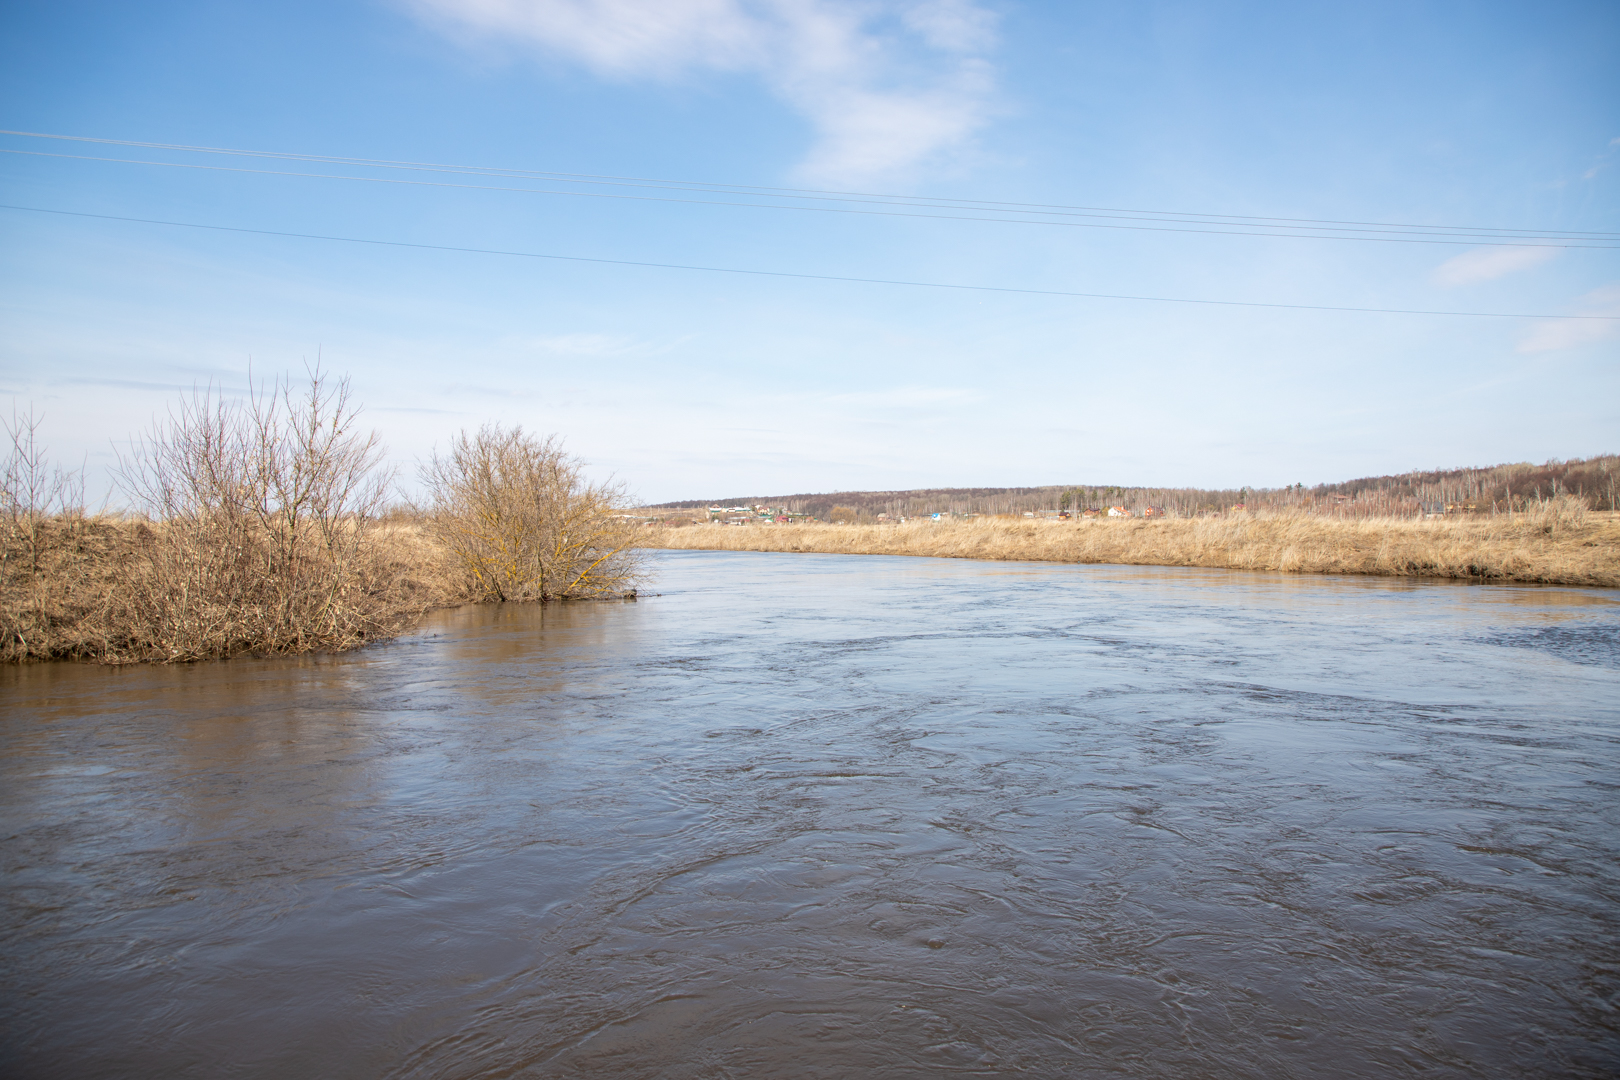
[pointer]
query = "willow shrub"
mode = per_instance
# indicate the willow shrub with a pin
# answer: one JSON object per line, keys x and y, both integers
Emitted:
{"x": 521, "y": 521}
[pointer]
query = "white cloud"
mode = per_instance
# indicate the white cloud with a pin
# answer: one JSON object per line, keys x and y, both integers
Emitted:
{"x": 958, "y": 25}
{"x": 1555, "y": 334}
{"x": 887, "y": 84}
{"x": 1488, "y": 264}
{"x": 618, "y": 37}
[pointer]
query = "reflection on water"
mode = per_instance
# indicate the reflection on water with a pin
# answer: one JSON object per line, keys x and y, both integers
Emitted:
{"x": 835, "y": 816}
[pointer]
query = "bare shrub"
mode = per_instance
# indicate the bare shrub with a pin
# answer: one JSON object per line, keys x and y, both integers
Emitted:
{"x": 522, "y": 523}
{"x": 264, "y": 526}
{"x": 1558, "y": 514}
{"x": 261, "y": 520}
{"x": 32, "y": 490}
{"x": 41, "y": 510}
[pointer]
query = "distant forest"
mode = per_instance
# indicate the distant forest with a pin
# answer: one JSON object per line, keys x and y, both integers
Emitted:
{"x": 1497, "y": 489}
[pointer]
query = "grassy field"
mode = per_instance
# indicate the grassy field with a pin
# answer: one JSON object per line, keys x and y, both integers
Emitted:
{"x": 1555, "y": 545}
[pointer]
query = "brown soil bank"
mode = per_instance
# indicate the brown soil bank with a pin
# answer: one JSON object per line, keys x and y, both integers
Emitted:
{"x": 1553, "y": 546}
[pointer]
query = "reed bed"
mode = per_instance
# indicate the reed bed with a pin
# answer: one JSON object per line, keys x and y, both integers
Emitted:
{"x": 1557, "y": 544}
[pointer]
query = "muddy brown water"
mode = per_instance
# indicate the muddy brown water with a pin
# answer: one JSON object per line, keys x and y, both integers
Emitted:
{"x": 831, "y": 816}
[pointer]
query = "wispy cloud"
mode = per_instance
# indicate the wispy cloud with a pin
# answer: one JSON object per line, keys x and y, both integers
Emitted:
{"x": 1488, "y": 264}
{"x": 1552, "y": 335}
{"x": 902, "y": 397}
{"x": 579, "y": 345}
{"x": 1603, "y": 162}
{"x": 888, "y": 85}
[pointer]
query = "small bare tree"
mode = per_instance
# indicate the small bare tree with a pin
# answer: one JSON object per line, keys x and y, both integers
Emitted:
{"x": 41, "y": 530}
{"x": 261, "y": 514}
{"x": 522, "y": 522}
{"x": 32, "y": 492}
{"x": 317, "y": 484}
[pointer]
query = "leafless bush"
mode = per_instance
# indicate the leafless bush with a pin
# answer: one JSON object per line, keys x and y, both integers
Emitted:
{"x": 1558, "y": 514}
{"x": 32, "y": 491}
{"x": 264, "y": 526}
{"x": 261, "y": 520}
{"x": 522, "y": 522}
{"x": 41, "y": 509}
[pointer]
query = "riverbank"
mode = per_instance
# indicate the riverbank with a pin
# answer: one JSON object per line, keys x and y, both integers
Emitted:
{"x": 1550, "y": 547}
{"x": 120, "y": 591}
{"x": 113, "y": 590}
{"x": 262, "y": 525}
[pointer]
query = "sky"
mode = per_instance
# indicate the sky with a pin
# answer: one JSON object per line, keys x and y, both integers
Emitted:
{"x": 751, "y": 247}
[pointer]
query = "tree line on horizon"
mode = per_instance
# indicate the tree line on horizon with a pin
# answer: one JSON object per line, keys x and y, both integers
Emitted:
{"x": 1594, "y": 481}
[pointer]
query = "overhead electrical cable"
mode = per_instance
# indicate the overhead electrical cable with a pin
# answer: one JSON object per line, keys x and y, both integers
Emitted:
{"x": 896, "y": 206}
{"x": 1407, "y": 238}
{"x": 805, "y": 276}
{"x": 775, "y": 191}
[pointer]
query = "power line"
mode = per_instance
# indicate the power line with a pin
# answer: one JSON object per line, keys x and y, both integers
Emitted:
{"x": 775, "y": 191}
{"x": 807, "y": 277}
{"x": 1410, "y": 238}
{"x": 1033, "y": 213}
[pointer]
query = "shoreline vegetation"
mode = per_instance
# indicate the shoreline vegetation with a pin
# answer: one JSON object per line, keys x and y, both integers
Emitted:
{"x": 268, "y": 525}
{"x": 1558, "y": 542}
{"x": 264, "y": 526}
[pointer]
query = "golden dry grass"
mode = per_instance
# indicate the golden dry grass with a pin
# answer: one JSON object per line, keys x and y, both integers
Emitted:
{"x": 103, "y": 590}
{"x": 94, "y": 591}
{"x": 119, "y": 591}
{"x": 1549, "y": 547}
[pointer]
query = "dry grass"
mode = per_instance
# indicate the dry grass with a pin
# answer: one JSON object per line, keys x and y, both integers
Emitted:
{"x": 1558, "y": 544}
{"x": 258, "y": 530}
{"x": 119, "y": 591}
{"x": 108, "y": 590}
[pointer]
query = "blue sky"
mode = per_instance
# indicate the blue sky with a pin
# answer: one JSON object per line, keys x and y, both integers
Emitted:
{"x": 691, "y": 384}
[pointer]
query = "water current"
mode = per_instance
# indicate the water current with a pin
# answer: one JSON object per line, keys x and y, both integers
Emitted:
{"x": 835, "y": 816}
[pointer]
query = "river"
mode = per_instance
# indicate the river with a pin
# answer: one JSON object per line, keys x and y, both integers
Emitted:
{"x": 835, "y": 816}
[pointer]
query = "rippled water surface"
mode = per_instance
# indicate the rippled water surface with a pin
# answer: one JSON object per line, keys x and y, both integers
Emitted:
{"x": 805, "y": 816}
